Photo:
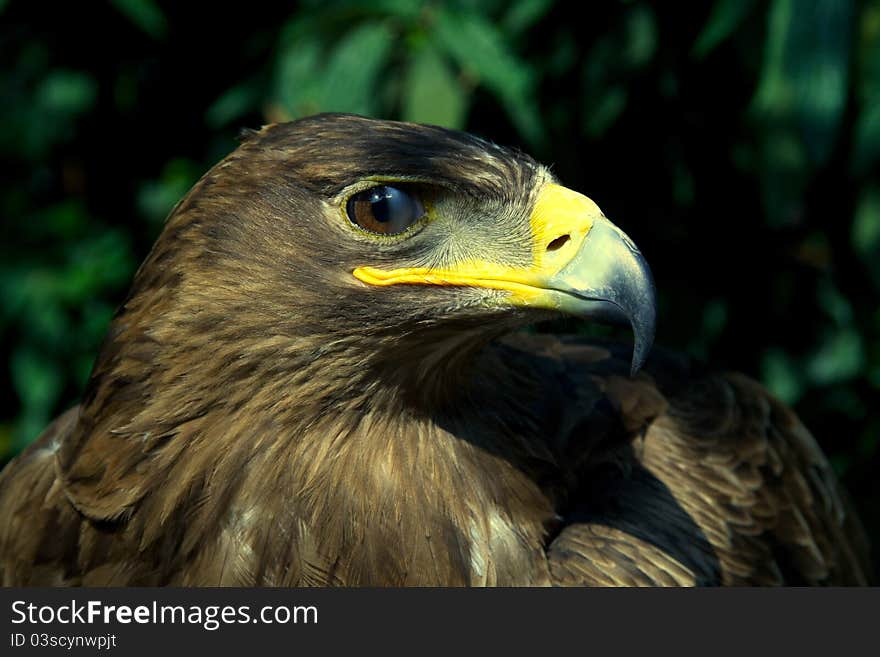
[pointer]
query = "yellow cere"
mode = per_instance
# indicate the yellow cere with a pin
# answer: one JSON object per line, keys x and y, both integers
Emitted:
{"x": 560, "y": 220}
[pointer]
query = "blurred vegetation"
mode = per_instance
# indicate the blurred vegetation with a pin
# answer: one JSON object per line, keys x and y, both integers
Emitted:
{"x": 737, "y": 141}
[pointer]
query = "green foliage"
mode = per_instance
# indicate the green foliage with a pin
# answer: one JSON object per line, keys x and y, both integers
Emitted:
{"x": 739, "y": 143}
{"x": 422, "y": 61}
{"x": 726, "y": 17}
{"x": 432, "y": 93}
{"x": 145, "y": 14}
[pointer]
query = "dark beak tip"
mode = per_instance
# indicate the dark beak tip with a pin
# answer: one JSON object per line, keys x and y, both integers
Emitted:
{"x": 643, "y": 319}
{"x": 614, "y": 284}
{"x": 639, "y": 357}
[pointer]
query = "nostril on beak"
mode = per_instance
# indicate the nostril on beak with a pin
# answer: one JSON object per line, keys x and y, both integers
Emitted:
{"x": 558, "y": 243}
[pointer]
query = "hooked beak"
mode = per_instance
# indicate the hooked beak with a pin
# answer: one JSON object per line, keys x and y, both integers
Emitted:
{"x": 583, "y": 265}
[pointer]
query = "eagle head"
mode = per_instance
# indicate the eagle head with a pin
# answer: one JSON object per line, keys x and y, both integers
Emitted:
{"x": 397, "y": 248}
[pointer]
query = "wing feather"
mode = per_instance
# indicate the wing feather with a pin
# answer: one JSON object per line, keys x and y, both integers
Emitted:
{"x": 717, "y": 476}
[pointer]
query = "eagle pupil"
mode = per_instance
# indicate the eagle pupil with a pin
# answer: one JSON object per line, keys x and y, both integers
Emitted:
{"x": 384, "y": 201}
{"x": 386, "y": 210}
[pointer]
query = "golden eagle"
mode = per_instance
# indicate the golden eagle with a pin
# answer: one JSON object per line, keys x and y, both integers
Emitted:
{"x": 313, "y": 381}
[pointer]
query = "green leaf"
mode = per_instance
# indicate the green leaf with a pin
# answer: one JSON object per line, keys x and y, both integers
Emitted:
{"x": 35, "y": 379}
{"x": 350, "y": 81}
{"x": 481, "y": 50}
{"x": 298, "y": 76}
{"x": 346, "y": 8}
{"x": 726, "y": 17}
{"x": 65, "y": 220}
{"x": 145, "y": 14}
{"x": 563, "y": 55}
{"x": 156, "y": 198}
{"x": 641, "y": 36}
{"x": 431, "y": 93}
{"x": 67, "y": 92}
{"x": 523, "y": 14}
{"x": 834, "y": 303}
{"x": 773, "y": 93}
{"x": 604, "y": 110}
{"x": 46, "y": 321}
{"x": 839, "y": 358}
{"x": 232, "y": 105}
{"x": 96, "y": 264}
{"x": 805, "y": 70}
{"x": 780, "y": 374}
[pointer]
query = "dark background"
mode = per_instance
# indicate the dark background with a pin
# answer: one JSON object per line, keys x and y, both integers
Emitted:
{"x": 736, "y": 141}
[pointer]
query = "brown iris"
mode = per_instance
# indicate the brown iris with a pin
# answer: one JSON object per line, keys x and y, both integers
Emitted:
{"x": 385, "y": 210}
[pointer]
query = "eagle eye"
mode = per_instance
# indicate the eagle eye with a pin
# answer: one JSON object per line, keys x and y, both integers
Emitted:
{"x": 384, "y": 210}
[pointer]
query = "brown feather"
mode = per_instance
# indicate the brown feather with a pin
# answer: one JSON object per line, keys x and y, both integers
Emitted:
{"x": 705, "y": 479}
